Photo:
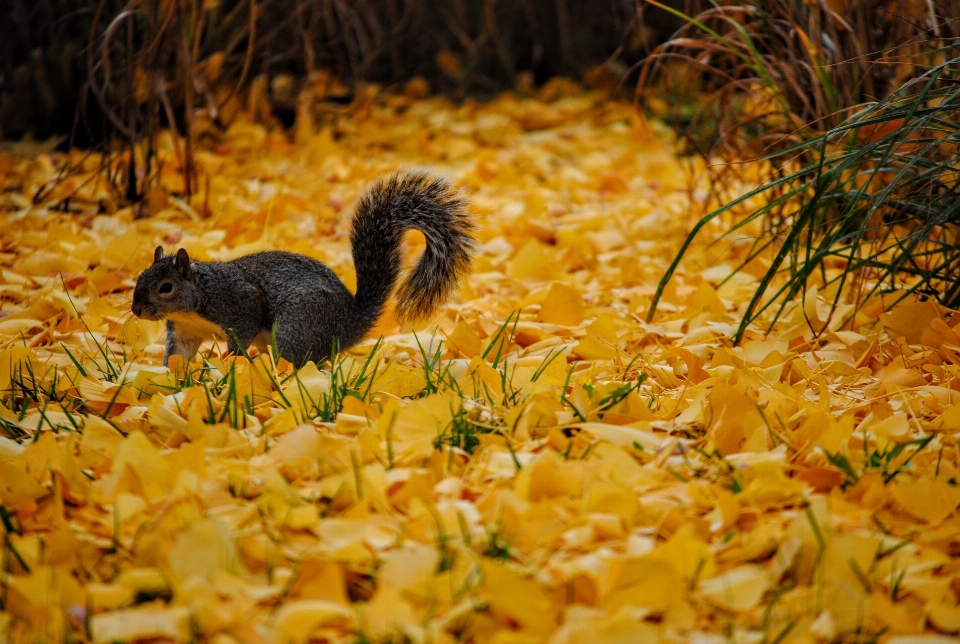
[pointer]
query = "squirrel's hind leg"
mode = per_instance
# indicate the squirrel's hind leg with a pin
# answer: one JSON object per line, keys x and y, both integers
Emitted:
{"x": 242, "y": 334}
{"x": 299, "y": 347}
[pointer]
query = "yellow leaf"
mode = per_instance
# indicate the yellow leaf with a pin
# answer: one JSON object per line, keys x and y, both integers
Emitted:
{"x": 141, "y": 623}
{"x": 482, "y": 378}
{"x": 705, "y": 298}
{"x": 300, "y": 443}
{"x": 604, "y": 328}
{"x": 412, "y": 430}
{"x": 153, "y": 380}
{"x": 838, "y": 433}
{"x": 386, "y": 613}
{"x": 894, "y": 428}
{"x": 591, "y": 347}
{"x": 44, "y": 262}
{"x": 919, "y": 639}
{"x": 140, "y": 468}
{"x": 912, "y": 319}
{"x": 623, "y": 626}
{"x": 306, "y": 390}
{"x": 14, "y": 327}
{"x": 251, "y": 379}
{"x": 464, "y": 339}
{"x": 100, "y": 440}
{"x": 143, "y": 580}
{"x": 9, "y": 449}
{"x": 41, "y": 456}
{"x": 688, "y": 554}
{"x": 318, "y": 577}
{"x": 516, "y": 599}
{"x": 548, "y": 476}
{"x": 734, "y": 418}
{"x": 563, "y": 305}
{"x": 206, "y": 550}
{"x": 301, "y": 516}
{"x": 625, "y": 436}
{"x": 16, "y": 486}
{"x": 768, "y": 486}
{"x": 164, "y": 415}
{"x": 612, "y": 498}
{"x": 400, "y": 380}
{"x": 280, "y": 423}
{"x": 648, "y": 581}
{"x": 533, "y": 262}
{"x": 104, "y": 597}
{"x": 738, "y": 589}
{"x": 553, "y": 370}
{"x": 949, "y": 420}
{"x": 127, "y": 507}
{"x": 944, "y": 617}
{"x": 124, "y": 251}
{"x": 296, "y": 620}
{"x": 15, "y": 363}
{"x": 695, "y": 371}
{"x": 600, "y": 342}
{"x": 929, "y": 501}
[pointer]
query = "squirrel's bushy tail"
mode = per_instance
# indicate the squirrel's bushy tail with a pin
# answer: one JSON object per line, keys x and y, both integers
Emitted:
{"x": 387, "y": 209}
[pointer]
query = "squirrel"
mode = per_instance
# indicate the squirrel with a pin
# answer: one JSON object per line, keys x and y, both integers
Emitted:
{"x": 299, "y": 299}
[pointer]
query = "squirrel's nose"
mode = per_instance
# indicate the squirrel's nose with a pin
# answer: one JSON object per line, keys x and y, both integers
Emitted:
{"x": 137, "y": 309}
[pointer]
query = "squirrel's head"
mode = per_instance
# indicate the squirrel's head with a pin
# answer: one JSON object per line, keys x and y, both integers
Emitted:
{"x": 166, "y": 287}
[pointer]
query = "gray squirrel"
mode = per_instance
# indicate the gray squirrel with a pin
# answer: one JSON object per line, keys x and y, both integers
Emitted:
{"x": 244, "y": 300}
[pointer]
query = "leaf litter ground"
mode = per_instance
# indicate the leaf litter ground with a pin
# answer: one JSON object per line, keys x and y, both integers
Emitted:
{"x": 536, "y": 464}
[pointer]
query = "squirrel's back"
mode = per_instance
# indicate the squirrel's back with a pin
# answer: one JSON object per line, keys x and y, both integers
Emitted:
{"x": 282, "y": 274}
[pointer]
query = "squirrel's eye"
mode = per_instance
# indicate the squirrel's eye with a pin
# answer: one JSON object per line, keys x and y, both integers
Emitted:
{"x": 166, "y": 287}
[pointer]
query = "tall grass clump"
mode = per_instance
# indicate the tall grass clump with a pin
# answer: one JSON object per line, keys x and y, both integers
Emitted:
{"x": 869, "y": 206}
{"x": 853, "y": 108}
{"x": 739, "y": 80}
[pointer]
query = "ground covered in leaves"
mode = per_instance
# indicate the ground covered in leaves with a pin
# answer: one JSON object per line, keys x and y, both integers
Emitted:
{"x": 536, "y": 464}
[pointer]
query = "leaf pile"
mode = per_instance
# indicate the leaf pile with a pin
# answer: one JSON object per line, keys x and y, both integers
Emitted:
{"x": 537, "y": 464}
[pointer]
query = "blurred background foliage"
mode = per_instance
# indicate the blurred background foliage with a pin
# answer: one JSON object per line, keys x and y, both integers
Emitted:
{"x": 128, "y": 61}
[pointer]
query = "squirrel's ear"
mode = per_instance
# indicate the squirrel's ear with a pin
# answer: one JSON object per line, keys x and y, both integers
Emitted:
{"x": 158, "y": 254}
{"x": 183, "y": 264}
